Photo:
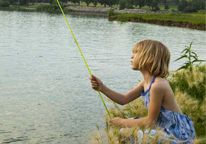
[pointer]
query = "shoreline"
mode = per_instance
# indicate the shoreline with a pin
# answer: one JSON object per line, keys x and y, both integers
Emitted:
{"x": 163, "y": 23}
{"x": 104, "y": 12}
{"x": 137, "y": 15}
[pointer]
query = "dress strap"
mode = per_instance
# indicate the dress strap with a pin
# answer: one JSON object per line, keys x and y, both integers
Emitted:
{"x": 152, "y": 82}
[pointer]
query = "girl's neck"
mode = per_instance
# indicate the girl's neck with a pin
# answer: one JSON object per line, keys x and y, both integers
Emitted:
{"x": 147, "y": 77}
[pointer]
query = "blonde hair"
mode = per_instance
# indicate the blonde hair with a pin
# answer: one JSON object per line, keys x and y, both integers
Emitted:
{"x": 153, "y": 56}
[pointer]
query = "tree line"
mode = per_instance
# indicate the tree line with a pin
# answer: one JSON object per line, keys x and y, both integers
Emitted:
{"x": 183, "y": 5}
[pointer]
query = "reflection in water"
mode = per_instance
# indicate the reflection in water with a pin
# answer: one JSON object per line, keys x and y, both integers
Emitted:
{"x": 45, "y": 93}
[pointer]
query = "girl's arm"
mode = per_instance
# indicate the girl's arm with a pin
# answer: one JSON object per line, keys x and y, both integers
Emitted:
{"x": 115, "y": 96}
{"x": 157, "y": 92}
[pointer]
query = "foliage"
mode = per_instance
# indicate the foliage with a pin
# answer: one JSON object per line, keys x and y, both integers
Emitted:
{"x": 141, "y": 3}
{"x": 189, "y": 87}
{"x": 201, "y": 12}
{"x": 75, "y": 1}
{"x": 189, "y": 54}
{"x": 191, "y": 6}
{"x": 4, "y": 3}
{"x": 48, "y": 8}
{"x": 122, "y": 4}
{"x": 87, "y": 2}
{"x": 191, "y": 81}
{"x": 190, "y": 18}
{"x": 166, "y": 6}
{"x": 190, "y": 106}
{"x": 95, "y": 2}
{"x": 111, "y": 12}
{"x": 125, "y": 4}
{"x": 23, "y": 2}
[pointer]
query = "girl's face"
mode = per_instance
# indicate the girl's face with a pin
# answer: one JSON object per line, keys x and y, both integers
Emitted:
{"x": 134, "y": 67}
{"x": 134, "y": 64}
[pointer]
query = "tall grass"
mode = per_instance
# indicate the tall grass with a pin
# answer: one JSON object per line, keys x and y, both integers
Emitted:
{"x": 190, "y": 105}
{"x": 189, "y": 18}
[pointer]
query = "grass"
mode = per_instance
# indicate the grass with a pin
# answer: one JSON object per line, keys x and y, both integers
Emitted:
{"x": 189, "y": 105}
{"x": 189, "y": 18}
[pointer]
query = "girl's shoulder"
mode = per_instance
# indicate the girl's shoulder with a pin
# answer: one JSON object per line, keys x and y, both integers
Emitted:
{"x": 160, "y": 83}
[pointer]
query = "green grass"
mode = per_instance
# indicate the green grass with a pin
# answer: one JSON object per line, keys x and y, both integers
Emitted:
{"x": 190, "y": 18}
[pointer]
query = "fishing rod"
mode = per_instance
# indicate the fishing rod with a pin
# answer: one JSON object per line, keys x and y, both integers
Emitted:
{"x": 82, "y": 54}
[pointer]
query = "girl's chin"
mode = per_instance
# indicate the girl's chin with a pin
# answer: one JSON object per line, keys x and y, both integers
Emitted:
{"x": 133, "y": 68}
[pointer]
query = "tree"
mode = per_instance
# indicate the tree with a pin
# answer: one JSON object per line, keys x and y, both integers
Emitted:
{"x": 155, "y": 5}
{"x": 166, "y": 6}
{"x": 148, "y": 3}
{"x": 95, "y": 2}
{"x": 164, "y": 2}
{"x": 64, "y": 1}
{"x": 23, "y": 2}
{"x": 87, "y": 2}
{"x": 125, "y": 4}
{"x": 4, "y": 3}
{"x": 12, "y": 1}
{"x": 122, "y": 4}
{"x": 75, "y": 1}
{"x": 141, "y": 3}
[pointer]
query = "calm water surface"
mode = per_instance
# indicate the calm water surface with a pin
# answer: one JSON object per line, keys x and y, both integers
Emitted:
{"x": 45, "y": 94}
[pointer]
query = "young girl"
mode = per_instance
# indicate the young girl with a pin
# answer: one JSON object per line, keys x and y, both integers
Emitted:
{"x": 152, "y": 58}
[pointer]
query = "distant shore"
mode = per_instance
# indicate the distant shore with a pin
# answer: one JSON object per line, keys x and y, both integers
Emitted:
{"x": 192, "y": 21}
{"x": 138, "y": 16}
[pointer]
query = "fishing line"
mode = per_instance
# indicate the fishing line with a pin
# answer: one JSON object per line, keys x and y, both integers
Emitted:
{"x": 82, "y": 54}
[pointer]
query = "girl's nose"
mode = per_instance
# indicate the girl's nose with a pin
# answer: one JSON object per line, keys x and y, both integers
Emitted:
{"x": 132, "y": 56}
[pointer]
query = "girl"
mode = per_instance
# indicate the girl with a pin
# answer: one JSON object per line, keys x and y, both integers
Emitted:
{"x": 152, "y": 58}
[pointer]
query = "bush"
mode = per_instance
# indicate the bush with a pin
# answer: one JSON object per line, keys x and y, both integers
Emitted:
{"x": 166, "y": 7}
{"x": 48, "y": 8}
{"x": 122, "y": 4}
{"x": 125, "y": 4}
{"x": 202, "y": 11}
{"x": 4, "y": 3}
{"x": 182, "y": 5}
{"x": 190, "y": 81}
{"x": 191, "y": 6}
{"x": 111, "y": 12}
{"x": 156, "y": 8}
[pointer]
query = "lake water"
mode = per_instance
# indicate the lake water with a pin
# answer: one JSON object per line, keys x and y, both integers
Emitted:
{"x": 45, "y": 94}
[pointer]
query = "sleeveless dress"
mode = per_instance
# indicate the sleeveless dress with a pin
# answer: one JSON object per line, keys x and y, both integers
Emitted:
{"x": 171, "y": 123}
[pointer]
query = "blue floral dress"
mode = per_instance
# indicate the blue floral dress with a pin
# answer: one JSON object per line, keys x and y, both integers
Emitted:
{"x": 172, "y": 124}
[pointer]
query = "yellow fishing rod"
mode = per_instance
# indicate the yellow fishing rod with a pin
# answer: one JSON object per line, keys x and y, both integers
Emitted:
{"x": 82, "y": 54}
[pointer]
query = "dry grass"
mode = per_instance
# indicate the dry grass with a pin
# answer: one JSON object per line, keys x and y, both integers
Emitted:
{"x": 191, "y": 106}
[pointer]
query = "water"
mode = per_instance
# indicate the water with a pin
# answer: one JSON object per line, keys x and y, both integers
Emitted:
{"x": 45, "y": 94}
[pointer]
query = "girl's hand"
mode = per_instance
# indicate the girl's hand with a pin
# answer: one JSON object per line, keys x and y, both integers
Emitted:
{"x": 96, "y": 83}
{"x": 119, "y": 122}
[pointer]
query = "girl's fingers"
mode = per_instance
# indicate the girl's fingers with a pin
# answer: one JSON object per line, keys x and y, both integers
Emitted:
{"x": 95, "y": 86}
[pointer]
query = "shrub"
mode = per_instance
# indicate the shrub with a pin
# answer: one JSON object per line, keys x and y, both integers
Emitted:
{"x": 190, "y": 81}
{"x": 111, "y": 12}
{"x": 48, "y": 8}
{"x": 191, "y": 6}
{"x": 4, "y": 3}
{"x": 190, "y": 56}
{"x": 125, "y": 4}
{"x": 182, "y": 5}
{"x": 166, "y": 7}
{"x": 202, "y": 11}
{"x": 122, "y": 4}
